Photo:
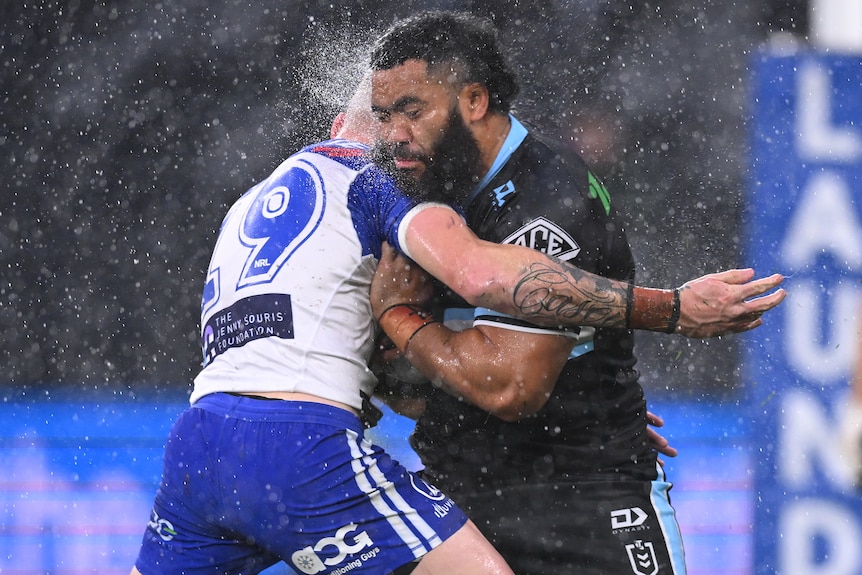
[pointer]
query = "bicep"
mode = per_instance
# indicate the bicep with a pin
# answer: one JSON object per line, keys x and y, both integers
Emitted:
{"x": 438, "y": 239}
{"x": 533, "y": 360}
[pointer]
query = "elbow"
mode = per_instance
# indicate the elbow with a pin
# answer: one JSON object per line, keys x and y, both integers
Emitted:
{"x": 518, "y": 401}
{"x": 476, "y": 285}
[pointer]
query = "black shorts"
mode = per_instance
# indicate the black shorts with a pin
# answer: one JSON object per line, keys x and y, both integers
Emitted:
{"x": 589, "y": 528}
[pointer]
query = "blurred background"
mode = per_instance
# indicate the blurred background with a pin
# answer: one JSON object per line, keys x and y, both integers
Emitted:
{"x": 129, "y": 128}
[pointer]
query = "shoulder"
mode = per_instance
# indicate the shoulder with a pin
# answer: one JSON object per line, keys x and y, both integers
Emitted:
{"x": 558, "y": 165}
{"x": 553, "y": 153}
{"x": 348, "y": 153}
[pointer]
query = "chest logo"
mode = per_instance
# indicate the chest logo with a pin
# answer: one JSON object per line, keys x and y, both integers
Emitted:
{"x": 547, "y": 237}
{"x": 501, "y": 192}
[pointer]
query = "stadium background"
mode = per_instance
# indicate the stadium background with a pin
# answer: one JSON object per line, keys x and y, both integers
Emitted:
{"x": 128, "y": 131}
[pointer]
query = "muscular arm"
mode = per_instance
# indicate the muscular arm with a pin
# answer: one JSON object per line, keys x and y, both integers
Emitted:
{"x": 525, "y": 283}
{"x": 512, "y": 279}
{"x": 507, "y": 373}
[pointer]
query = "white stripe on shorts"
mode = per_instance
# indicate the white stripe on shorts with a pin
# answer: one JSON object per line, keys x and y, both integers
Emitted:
{"x": 374, "y": 483}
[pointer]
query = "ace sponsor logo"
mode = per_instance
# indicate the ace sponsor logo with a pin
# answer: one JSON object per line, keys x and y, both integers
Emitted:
{"x": 547, "y": 237}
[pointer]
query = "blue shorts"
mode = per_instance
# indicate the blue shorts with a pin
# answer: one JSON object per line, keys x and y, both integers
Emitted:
{"x": 248, "y": 482}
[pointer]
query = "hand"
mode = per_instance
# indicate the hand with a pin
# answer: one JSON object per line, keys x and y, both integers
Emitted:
{"x": 658, "y": 442}
{"x": 719, "y": 304}
{"x": 398, "y": 280}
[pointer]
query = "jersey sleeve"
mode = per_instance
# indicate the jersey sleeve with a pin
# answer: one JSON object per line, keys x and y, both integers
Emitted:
{"x": 388, "y": 207}
{"x": 405, "y": 223}
{"x": 385, "y": 206}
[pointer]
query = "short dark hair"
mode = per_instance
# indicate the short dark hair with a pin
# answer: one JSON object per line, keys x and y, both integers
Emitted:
{"x": 450, "y": 38}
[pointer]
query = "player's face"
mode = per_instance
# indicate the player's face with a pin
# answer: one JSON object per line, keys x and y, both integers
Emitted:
{"x": 414, "y": 112}
{"x": 424, "y": 137}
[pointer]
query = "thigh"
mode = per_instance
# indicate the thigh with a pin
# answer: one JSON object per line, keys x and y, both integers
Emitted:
{"x": 588, "y": 528}
{"x": 186, "y": 533}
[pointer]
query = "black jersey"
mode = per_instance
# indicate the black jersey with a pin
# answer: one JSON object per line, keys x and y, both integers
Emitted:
{"x": 542, "y": 195}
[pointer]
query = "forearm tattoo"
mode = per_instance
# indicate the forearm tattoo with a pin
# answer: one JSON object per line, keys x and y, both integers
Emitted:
{"x": 564, "y": 295}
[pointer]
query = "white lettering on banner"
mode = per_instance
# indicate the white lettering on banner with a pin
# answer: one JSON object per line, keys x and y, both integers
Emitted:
{"x": 824, "y": 360}
{"x": 824, "y": 221}
{"x": 806, "y": 522}
{"x": 816, "y": 137}
{"x": 807, "y": 440}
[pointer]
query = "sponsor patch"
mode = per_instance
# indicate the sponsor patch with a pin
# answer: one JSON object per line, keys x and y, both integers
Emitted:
{"x": 547, "y": 237}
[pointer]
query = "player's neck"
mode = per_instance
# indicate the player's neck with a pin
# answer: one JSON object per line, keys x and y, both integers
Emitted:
{"x": 490, "y": 136}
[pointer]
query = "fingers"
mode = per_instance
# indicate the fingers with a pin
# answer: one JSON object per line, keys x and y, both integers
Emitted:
{"x": 387, "y": 251}
{"x": 669, "y": 451}
{"x": 761, "y": 286}
{"x": 654, "y": 420}
{"x": 736, "y": 276}
{"x": 747, "y": 326}
{"x": 661, "y": 444}
{"x": 766, "y": 303}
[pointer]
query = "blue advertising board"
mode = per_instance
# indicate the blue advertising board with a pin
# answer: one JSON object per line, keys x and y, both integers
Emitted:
{"x": 78, "y": 474}
{"x": 804, "y": 220}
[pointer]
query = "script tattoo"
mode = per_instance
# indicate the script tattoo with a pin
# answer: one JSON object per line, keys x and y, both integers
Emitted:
{"x": 547, "y": 294}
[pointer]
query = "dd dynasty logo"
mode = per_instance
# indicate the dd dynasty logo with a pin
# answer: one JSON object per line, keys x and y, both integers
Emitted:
{"x": 547, "y": 237}
{"x": 630, "y": 519}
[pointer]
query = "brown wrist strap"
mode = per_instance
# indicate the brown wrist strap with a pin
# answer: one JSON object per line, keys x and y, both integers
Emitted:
{"x": 402, "y": 321}
{"x": 653, "y": 309}
{"x": 412, "y": 335}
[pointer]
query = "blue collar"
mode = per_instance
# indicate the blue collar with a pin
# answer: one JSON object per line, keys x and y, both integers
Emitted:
{"x": 517, "y": 133}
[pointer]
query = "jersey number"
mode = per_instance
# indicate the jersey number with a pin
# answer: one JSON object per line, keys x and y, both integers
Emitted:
{"x": 280, "y": 220}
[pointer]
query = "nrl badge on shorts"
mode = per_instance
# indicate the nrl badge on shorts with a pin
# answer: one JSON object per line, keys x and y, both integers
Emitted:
{"x": 642, "y": 557}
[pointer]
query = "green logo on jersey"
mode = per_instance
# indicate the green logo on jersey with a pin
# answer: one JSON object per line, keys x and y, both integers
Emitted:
{"x": 598, "y": 190}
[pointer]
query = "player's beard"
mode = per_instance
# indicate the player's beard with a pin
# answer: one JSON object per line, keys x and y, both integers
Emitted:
{"x": 450, "y": 169}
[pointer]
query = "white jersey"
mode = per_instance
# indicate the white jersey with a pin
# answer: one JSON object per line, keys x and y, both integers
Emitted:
{"x": 285, "y": 306}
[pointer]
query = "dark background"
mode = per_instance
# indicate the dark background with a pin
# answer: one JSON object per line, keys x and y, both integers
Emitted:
{"x": 127, "y": 131}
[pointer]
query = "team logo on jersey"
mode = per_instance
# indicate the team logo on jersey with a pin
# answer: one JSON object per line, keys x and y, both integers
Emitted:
{"x": 547, "y": 237}
{"x": 426, "y": 489}
{"x": 501, "y": 192}
{"x": 642, "y": 558}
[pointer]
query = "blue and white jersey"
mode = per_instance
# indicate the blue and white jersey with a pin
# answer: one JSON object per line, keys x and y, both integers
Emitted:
{"x": 285, "y": 306}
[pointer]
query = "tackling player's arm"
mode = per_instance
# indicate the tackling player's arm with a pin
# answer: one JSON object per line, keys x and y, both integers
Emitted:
{"x": 527, "y": 284}
{"x": 507, "y": 373}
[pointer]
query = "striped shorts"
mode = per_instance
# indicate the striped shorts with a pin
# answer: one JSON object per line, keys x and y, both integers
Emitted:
{"x": 249, "y": 482}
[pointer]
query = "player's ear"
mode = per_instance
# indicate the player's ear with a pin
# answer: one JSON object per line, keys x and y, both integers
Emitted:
{"x": 337, "y": 124}
{"x": 474, "y": 101}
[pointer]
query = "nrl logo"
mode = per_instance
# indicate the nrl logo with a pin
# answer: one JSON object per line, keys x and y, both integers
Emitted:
{"x": 547, "y": 237}
{"x": 642, "y": 558}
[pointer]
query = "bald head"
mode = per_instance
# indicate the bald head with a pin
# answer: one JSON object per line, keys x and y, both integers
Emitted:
{"x": 357, "y": 122}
